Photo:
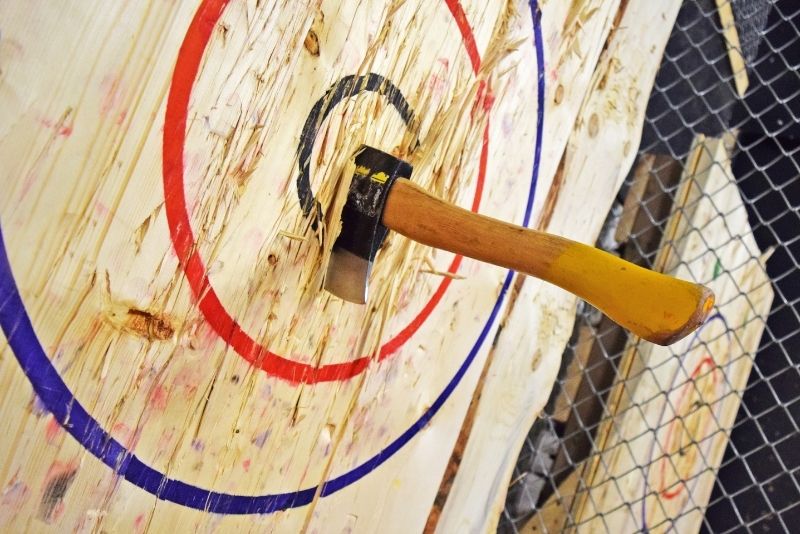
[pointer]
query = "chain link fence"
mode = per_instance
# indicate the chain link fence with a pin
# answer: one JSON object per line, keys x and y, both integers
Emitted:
{"x": 702, "y": 124}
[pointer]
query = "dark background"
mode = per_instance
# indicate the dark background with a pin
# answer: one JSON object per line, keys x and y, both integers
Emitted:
{"x": 759, "y": 479}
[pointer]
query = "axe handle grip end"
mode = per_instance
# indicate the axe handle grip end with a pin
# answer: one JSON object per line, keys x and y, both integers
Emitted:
{"x": 654, "y": 306}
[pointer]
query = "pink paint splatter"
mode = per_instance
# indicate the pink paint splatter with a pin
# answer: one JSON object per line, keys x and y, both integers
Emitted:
{"x": 165, "y": 440}
{"x": 187, "y": 380}
{"x": 246, "y": 465}
{"x": 484, "y": 100}
{"x": 159, "y": 397}
{"x": 27, "y": 183}
{"x": 14, "y": 497}
{"x": 437, "y": 82}
{"x": 59, "y": 468}
{"x": 111, "y": 93}
{"x": 100, "y": 209}
{"x": 193, "y": 162}
{"x": 15, "y": 494}
{"x": 403, "y": 299}
{"x": 52, "y": 430}
{"x": 63, "y": 130}
{"x": 254, "y": 238}
{"x": 138, "y": 524}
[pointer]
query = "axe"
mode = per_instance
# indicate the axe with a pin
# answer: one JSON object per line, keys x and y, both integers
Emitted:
{"x": 654, "y": 306}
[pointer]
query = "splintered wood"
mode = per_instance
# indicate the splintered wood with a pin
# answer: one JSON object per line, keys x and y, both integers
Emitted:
{"x": 173, "y": 175}
{"x": 674, "y": 410}
{"x": 598, "y": 153}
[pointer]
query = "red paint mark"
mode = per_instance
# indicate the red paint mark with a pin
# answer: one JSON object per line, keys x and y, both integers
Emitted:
{"x": 187, "y": 380}
{"x": 466, "y": 33}
{"x": 159, "y": 396}
{"x": 165, "y": 440}
{"x": 184, "y": 75}
{"x": 670, "y": 494}
{"x": 677, "y": 425}
{"x": 64, "y": 130}
{"x": 138, "y": 523}
{"x": 52, "y": 430}
{"x": 112, "y": 93}
{"x": 437, "y": 81}
{"x": 57, "y": 513}
{"x": 246, "y": 465}
{"x": 484, "y": 99}
{"x": 100, "y": 209}
{"x": 27, "y": 183}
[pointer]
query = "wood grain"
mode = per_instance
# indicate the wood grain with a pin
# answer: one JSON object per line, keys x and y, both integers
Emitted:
{"x": 733, "y": 45}
{"x": 90, "y": 234}
{"x": 527, "y": 353}
{"x": 87, "y": 105}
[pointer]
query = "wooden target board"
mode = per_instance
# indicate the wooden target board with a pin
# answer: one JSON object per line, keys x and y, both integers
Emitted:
{"x": 171, "y": 173}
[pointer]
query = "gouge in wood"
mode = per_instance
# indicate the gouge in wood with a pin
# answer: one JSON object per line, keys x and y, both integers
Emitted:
{"x": 652, "y": 305}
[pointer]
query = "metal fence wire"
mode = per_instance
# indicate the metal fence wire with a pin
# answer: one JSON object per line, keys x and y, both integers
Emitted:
{"x": 756, "y": 484}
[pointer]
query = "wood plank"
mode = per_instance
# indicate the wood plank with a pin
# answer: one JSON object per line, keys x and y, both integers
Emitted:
{"x": 735, "y": 57}
{"x": 527, "y": 353}
{"x": 554, "y": 514}
{"x": 674, "y": 410}
{"x": 568, "y": 389}
{"x": 580, "y": 30}
{"x": 647, "y": 207}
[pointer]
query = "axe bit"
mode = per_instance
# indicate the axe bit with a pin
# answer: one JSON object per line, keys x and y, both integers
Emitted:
{"x": 654, "y": 306}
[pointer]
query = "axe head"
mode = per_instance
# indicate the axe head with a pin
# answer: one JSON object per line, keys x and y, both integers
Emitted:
{"x": 362, "y": 231}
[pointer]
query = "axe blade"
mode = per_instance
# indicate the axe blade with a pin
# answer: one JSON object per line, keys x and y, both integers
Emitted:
{"x": 347, "y": 276}
{"x": 362, "y": 232}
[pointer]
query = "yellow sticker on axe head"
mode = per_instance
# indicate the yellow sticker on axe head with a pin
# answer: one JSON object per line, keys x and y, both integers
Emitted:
{"x": 379, "y": 177}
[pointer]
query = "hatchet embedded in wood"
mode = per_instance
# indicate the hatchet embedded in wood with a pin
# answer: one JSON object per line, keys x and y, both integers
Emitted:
{"x": 652, "y": 305}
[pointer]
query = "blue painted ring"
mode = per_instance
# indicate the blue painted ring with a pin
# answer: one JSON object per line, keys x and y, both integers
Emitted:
{"x": 56, "y": 396}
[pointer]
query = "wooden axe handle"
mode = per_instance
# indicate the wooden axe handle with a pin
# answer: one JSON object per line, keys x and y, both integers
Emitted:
{"x": 654, "y": 306}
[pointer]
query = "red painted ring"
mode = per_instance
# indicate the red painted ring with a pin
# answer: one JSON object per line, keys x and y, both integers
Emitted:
{"x": 185, "y": 73}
